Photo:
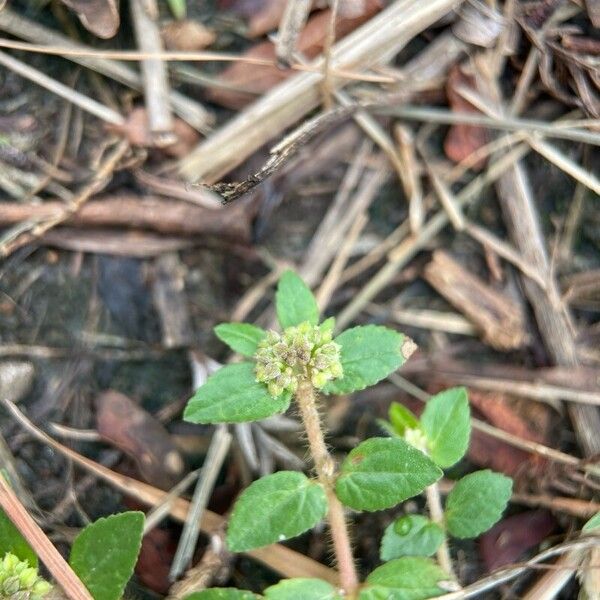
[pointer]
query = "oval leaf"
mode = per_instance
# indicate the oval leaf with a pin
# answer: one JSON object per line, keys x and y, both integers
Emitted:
{"x": 446, "y": 422}
{"x": 11, "y": 540}
{"x": 382, "y": 472}
{"x": 476, "y": 502}
{"x": 408, "y": 578}
{"x": 240, "y": 337}
{"x": 275, "y": 508}
{"x": 104, "y": 554}
{"x": 412, "y": 535}
{"x": 232, "y": 395}
{"x": 369, "y": 354}
{"x": 302, "y": 589}
{"x": 222, "y": 594}
{"x": 295, "y": 302}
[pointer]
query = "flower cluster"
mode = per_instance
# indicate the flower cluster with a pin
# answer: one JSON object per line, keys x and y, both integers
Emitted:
{"x": 303, "y": 352}
{"x": 19, "y": 581}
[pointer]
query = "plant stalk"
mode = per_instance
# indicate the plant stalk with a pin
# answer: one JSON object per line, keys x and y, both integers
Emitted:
{"x": 325, "y": 468}
{"x": 436, "y": 512}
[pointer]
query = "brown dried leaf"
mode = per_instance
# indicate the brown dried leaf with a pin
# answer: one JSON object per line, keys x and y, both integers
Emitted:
{"x": 100, "y": 17}
{"x": 526, "y": 419}
{"x": 187, "y": 36}
{"x": 123, "y": 423}
{"x": 257, "y": 79}
{"x": 509, "y": 539}
{"x": 462, "y": 139}
{"x": 136, "y": 130}
{"x": 154, "y": 562}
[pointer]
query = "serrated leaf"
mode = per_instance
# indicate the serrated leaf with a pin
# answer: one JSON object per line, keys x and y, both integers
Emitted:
{"x": 593, "y": 523}
{"x": 240, "y": 337}
{"x": 402, "y": 418}
{"x": 232, "y": 395}
{"x": 104, "y": 554}
{"x": 11, "y": 540}
{"x": 446, "y": 422}
{"x": 295, "y": 302}
{"x": 407, "y": 578}
{"x": 369, "y": 354}
{"x": 476, "y": 502}
{"x": 275, "y": 508}
{"x": 382, "y": 472}
{"x": 302, "y": 589}
{"x": 222, "y": 594}
{"x": 328, "y": 325}
{"x": 412, "y": 535}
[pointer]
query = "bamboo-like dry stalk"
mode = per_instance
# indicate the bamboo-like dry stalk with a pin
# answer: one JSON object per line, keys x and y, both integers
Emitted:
{"x": 375, "y": 43}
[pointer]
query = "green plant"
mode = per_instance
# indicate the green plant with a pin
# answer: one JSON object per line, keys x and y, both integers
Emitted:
{"x": 103, "y": 556}
{"x": 301, "y": 362}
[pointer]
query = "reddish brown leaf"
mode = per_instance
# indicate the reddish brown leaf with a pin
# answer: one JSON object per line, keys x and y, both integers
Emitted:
{"x": 509, "y": 539}
{"x": 528, "y": 420}
{"x": 136, "y": 130}
{"x": 100, "y": 17}
{"x": 156, "y": 555}
{"x": 257, "y": 79}
{"x": 123, "y": 423}
{"x": 462, "y": 140}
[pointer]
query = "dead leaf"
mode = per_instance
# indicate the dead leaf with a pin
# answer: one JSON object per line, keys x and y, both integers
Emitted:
{"x": 154, "y": 562}
{"x": 462, "y": 139}
{"x": 187, "y": 36}
{"x": 593, "y": 9}
{"x": 137, "y": 131}
{"x": 257, "y": 79}
{"x": 527, "y": 419}
{"x": 100, "y": 17}
{"x": 124, "y": 424}
{"x": 508, "y": 540}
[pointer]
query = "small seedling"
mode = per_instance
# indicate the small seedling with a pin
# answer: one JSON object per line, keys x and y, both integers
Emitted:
{"x": 305, "y": 361}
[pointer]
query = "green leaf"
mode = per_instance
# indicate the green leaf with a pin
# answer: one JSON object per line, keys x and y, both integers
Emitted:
{"x": 593, "y": 523}
{"x": 302, "y": 589}
{"x": 402, "y": 418}
{"x": 295, "y": 302}
{"x": 412, "y": 535}
{"x": 407, "y": 578}
{"x": 275, "y": 508}
{"x": 369, "y": 353}
{"x": 178, "y": 8}
{"x": 232, "y": 395}
{"x": 476, "y": 502}
{"x": 240, "y": 337}
{"x": 104, "y": 554}
{"x": 382, "y": 472}
{"x": 446, "y": 422}
{"x": 328, "y": 325}
{"x": 222, "y": 594}
{"x": 11, "y": 540}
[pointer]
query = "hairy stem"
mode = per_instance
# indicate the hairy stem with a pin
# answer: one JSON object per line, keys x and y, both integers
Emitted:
{"x": 325, "y": 468}
{"x": 436, "y": 512}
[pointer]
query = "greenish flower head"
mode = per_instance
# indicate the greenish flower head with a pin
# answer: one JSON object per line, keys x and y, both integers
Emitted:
{"x": 302, "y": 352}
{"x": 19, "y": 581}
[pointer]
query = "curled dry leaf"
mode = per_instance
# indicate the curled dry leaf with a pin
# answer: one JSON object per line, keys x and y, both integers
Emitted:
{"x": 187, "y": 36}
{"x": 462, "y": 139}
{"x": 257, "y": 79}
{"x": 100, "y": 17}
{"x": 123, "y": 423}
{"x": 136, "y": 130}
{"x": 508, "y": 540}
{"x": 478, "y": 24}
